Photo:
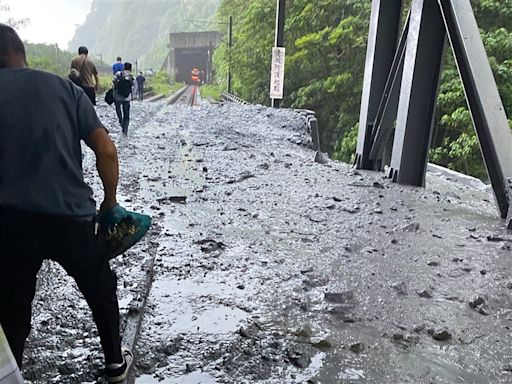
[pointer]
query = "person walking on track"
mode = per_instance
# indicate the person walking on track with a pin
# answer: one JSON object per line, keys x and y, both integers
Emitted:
{"x": 47, "y": 210}
{"x": 87, "y": 73}
{"x": 140, "y": 86}
{"x": 123, "y": 95}
{"x": 118, "y": 66}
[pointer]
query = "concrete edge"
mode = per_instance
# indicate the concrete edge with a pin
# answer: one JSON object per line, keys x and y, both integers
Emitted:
{"x": 461, "y": 178}
{"x": 154, "y": 98}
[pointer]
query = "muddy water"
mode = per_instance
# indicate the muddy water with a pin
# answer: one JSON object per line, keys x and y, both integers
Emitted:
{"x": 271, "y": 268}
{"x": 332, "y": 279}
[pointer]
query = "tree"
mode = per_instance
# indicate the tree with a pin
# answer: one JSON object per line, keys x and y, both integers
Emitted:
{"x": 49, "y": 58}
{"x": 326, "y": 44}
{"x": 326, "y": 48}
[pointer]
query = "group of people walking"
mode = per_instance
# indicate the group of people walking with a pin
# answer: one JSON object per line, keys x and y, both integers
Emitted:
{"x": 125, "y": 87}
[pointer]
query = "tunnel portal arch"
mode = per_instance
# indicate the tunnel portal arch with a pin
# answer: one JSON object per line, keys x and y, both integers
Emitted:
{"x": 190, "y": 56}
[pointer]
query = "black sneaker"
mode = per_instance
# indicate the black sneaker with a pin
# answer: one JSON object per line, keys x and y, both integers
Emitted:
{"x": 115, "y": 372}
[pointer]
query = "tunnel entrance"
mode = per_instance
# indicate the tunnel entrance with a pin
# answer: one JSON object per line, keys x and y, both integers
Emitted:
{"x": 190, "y": 56}
{"x": 192, "y": 65}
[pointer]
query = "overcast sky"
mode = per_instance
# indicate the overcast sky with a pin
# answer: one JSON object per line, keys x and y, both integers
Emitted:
{"x": 51, "y": 21}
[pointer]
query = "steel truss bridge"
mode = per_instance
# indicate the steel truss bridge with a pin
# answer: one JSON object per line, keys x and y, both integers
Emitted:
{"x": 402, "y": 73}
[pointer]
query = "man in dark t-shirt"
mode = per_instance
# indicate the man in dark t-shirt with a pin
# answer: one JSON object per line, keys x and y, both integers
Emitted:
{"x": 140, "y": 86}
{"x": 46, "y": 208}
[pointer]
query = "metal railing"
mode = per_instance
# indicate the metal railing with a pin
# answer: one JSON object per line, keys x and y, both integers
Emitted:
{"x": 232, "y": 98}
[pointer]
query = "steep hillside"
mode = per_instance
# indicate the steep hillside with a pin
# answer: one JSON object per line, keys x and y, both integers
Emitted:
{"x": 138, "y": 29}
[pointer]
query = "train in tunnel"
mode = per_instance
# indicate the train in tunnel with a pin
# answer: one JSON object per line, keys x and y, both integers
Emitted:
{"x": 192, "y": 65}
{"x": 190, "y": 56}
{"x": 195, "y": 76}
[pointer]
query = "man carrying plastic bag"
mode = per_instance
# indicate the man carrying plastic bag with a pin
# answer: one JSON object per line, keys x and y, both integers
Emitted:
{"x": 47, "y": 210}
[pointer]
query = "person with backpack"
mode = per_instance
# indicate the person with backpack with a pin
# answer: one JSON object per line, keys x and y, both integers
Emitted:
{"x": 84, "y": 74}
{"x": 123, "y": 92}
{"x": 47, "y": 210}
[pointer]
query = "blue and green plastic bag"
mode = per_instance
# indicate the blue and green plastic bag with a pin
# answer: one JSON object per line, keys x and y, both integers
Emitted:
{"x": 122, "y": 229}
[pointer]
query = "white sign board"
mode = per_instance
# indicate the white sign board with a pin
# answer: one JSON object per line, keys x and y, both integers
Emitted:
{"x": 277, "y": 74}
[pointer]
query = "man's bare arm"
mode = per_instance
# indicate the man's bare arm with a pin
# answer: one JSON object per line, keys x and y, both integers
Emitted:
{"x": 107, "y": 165}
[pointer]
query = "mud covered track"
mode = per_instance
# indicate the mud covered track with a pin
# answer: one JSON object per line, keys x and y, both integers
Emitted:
{"x": 190, "y": 97}
{"x": 271, "y": 268}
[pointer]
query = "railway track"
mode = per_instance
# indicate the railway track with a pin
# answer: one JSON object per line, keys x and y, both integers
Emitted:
{"x": 189, "y": 96}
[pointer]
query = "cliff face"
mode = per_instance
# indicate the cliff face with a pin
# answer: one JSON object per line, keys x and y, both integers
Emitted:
{"x": 138, "y": 29}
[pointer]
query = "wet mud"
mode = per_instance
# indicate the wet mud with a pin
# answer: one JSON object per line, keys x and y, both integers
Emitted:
{"x": 271, "y": 267}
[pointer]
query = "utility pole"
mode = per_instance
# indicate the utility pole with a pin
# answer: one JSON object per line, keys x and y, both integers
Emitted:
{"x": 209, "y": 64}
{"x": 57, "y": 53}
{"x": 230, "y": 44}
{"x": 279, "y": 40}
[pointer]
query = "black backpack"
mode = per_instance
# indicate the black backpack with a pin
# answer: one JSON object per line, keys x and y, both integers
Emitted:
{"x": 124, "y": 86}
{"x": 109, "y": 97}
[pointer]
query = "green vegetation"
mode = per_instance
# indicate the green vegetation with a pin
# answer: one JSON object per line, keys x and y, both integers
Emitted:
{"x": 211, "y": 91}
{"x": 105, "y": 83}
{"x": 160, "y": 84}
{"x": 48, "y": 58}
{"x": 326, "y": 48}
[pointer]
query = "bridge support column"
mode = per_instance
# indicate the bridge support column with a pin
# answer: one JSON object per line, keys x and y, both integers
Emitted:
{"x": 418, "y": 95}
{"x": 386, "y": 115}
{"x": 484, "y": 101}
{"x": 382, "y": 43}
{"x": 417, "y": 67}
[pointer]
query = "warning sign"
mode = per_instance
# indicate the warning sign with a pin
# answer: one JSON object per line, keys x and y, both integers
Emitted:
{"x": 277, "y": 74}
